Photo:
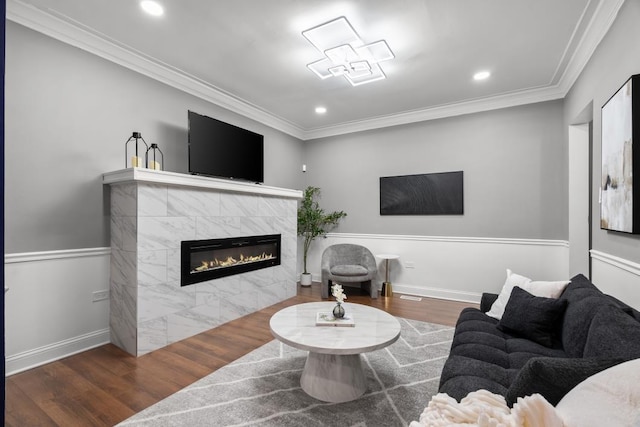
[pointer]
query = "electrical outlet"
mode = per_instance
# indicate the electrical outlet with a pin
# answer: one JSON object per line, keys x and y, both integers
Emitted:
{"x": 410, "y": 264}
{"x": 100, "y": 295}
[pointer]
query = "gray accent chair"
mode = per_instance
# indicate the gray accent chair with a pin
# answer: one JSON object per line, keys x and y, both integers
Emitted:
{"x": 348, "y": 263}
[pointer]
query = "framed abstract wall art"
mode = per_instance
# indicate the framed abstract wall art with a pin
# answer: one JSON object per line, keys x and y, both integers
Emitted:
{"x": 620, "y": 187}
{"x": 424, "y": 194}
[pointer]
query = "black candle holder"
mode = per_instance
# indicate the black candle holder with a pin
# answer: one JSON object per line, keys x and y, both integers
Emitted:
{"x": 152, "y": 162}
{"x": 134, "y": 156}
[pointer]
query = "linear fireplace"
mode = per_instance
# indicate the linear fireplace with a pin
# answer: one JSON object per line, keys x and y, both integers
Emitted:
{"x": 203, "y": 260}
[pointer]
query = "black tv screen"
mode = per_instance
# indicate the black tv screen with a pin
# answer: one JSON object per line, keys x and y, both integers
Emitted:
{"x": 220, "y": 149}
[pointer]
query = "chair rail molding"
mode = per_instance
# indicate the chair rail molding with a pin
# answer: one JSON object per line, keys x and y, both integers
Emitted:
{"x": 621, "y": 263}
{"x": 57, "y": 254}
{"x": 492, "y": 240}
{"x": 616, "y": 276}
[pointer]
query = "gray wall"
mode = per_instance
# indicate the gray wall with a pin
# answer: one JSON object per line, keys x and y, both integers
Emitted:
{"x": 614, "y": 61}
{"x": 514, "y": 162}
{"x": 68, "y": 114}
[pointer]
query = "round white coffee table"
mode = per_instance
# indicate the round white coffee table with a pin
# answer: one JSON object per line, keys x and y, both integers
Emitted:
{"x": 333, "y": 371}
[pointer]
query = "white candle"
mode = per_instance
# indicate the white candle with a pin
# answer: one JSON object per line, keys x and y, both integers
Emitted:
{"x": 155, "y": 165}
{"x": 136, "y": 162}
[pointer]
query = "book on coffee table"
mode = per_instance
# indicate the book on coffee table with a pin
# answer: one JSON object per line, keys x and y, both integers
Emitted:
{"x": 325, "y": 318}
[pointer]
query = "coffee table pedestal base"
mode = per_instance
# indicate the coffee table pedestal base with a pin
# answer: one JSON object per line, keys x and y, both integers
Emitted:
{"x": 333, "y": 378}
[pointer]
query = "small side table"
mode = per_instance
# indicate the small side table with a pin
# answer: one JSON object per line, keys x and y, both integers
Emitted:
{"x": 387, "y": 290}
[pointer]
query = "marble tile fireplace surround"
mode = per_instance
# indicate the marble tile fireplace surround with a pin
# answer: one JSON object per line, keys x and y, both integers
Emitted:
{"x": 152, "y": 213}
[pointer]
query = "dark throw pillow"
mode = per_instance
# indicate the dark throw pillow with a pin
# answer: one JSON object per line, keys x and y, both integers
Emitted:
{"x": 531, "y": 317}
{"x": 554, "y": 377}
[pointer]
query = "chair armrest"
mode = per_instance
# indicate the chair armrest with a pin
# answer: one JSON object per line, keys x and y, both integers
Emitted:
{"x": 487, "y": 301}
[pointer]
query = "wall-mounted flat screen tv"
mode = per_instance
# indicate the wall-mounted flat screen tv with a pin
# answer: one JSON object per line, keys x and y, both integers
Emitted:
{"x": 220, "y": 149}
{"x": 424, "y": 194}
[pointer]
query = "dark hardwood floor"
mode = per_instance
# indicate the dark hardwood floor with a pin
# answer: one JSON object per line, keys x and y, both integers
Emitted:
{"x": 104, "y": 386}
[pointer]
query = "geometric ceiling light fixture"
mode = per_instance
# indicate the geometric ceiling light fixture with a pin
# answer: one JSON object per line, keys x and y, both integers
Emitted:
{"x": 345, "y": 54}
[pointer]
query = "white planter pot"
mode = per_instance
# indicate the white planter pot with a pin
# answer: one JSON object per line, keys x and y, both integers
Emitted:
{"x": 305, "y": 279}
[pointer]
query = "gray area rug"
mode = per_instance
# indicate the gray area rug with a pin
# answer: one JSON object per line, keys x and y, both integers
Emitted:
{"x": 263, "y": 388}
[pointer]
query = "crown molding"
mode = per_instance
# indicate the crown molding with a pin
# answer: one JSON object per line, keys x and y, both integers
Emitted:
{"x": 83, "y": 38}
{"x": 97, "y": 44}
{"x": 598, "y": 26}
{"x": 514, "y": 99}
{"x": 600, "y": 23}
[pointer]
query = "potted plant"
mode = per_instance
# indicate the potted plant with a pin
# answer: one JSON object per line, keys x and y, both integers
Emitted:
{"x": 313, "y": 222}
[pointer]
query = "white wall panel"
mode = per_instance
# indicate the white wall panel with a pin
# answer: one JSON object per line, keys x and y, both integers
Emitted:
{"x": 49, "y": 312}
{"x": 616, "y": 276}
{"x": 455, "y": 268}
{"x": 49, "y": 308}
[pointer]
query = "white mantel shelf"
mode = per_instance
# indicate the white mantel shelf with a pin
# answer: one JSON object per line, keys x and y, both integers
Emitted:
{"x": 184, "y": 180}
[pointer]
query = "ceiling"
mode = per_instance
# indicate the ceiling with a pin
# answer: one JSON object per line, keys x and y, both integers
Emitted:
{"x": 250, "y": 56}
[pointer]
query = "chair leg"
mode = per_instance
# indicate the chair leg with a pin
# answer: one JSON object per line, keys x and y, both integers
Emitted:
{"x": 330, "y": 283}
{"x": 368, "y": 285}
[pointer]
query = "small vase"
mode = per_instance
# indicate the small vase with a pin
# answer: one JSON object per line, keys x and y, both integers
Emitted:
{"x": 338, "y": 311}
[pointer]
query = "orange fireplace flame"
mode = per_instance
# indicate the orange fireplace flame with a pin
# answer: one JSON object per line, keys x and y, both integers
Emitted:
{"x": 230, "y": 262}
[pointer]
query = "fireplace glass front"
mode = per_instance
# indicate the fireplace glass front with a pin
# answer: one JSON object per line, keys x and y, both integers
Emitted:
{"x": 203, "y": 260}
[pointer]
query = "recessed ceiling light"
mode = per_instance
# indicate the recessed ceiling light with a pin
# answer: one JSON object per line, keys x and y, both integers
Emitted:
{"x": 152, "y": 7}
{"x": 481, "y": 75}
{"x": 321, "y": 110}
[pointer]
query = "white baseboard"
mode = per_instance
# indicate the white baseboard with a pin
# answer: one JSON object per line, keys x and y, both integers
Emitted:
{"x": 439, "y": 293}
{"x": 39, "y": 356}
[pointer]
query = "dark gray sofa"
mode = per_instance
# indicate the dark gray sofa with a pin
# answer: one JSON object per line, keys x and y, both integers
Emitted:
{"x": 593, "y": 331}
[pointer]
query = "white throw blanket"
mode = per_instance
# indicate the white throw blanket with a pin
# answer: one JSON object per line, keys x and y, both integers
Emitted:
{"x": 608, "y": 398}
{"x": 485, "y": 409}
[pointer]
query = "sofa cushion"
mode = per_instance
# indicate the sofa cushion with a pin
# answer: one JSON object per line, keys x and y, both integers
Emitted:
{"x": 537, "y": 288}
{"x": 613, "y": 333}
{"x": 520, "y": 350}
{"x": 583, "y": 300}
{"x": 512, "y": 280}
{"x": 546, "y": 289}
{"x": 486, "y": 301}
{"x": 476, "y": 336}
{"x": 579, "y": 281}
{"x": 462, "y": 375}
{"x": 484, "y": 357}
{"x": 553, "y": 377}
{"x": 532, "y": 317}
{"x": 349, "y": 270}
{"x": 624, "y": 307}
